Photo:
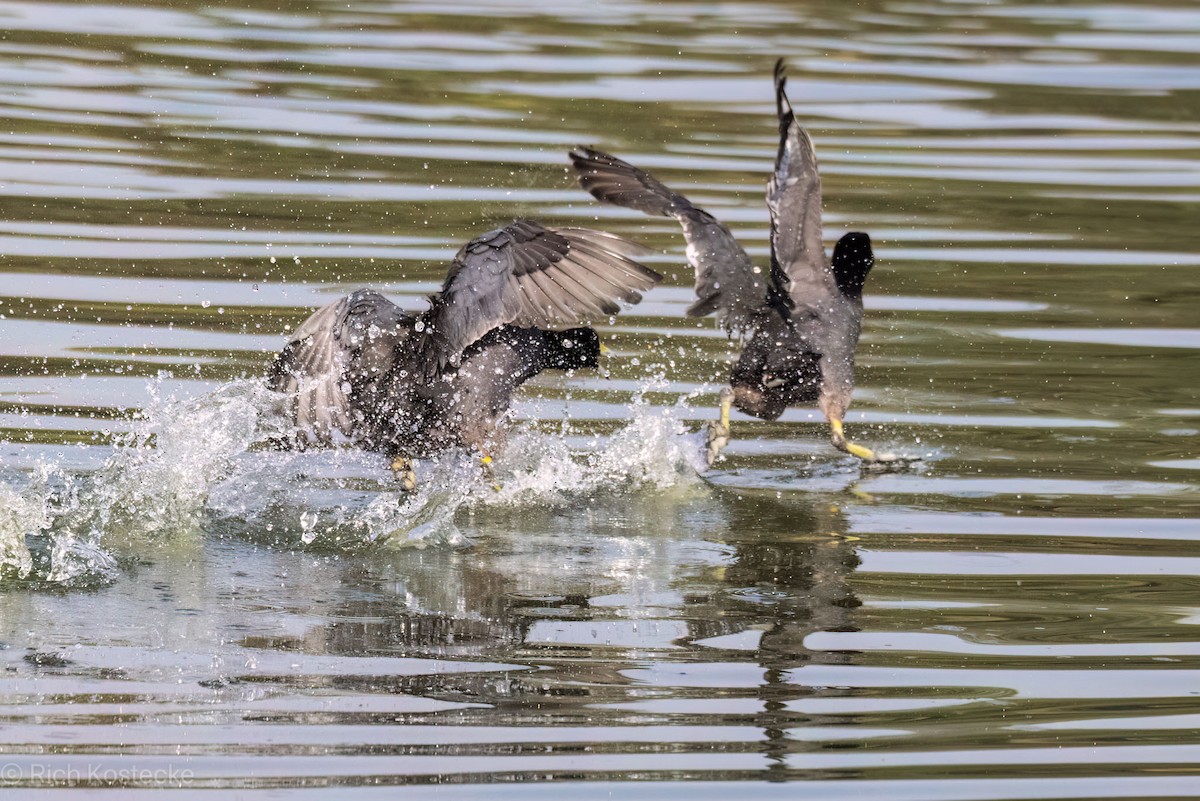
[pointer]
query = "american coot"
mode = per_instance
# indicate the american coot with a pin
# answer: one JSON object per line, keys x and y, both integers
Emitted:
{"x": 412, "y": 384}
{"x": 802, "y": 319}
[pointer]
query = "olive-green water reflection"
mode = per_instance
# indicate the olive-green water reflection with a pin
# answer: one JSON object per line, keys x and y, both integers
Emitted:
{"x": 181, "y": 183}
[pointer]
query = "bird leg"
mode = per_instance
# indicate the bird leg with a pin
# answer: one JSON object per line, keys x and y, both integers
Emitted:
{"x": 404, "y": 468}
{"x": 838, "y": 436}
{"x": 718, "y": 431}
{"x": 868, "y": 456}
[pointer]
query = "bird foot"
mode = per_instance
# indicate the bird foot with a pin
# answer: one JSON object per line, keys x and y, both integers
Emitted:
{"x": 404, "y": 469}
{"x": 889, "y": 462}
{"x": 714, "y": 444}
{"x": 869, "y": 459}
{"x": 718, "y": 430}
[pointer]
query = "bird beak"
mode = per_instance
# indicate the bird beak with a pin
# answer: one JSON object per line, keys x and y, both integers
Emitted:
{"x": 604, "y": 349}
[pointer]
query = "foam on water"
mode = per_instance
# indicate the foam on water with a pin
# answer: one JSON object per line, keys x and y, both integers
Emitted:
{"x": 202, "y": 465}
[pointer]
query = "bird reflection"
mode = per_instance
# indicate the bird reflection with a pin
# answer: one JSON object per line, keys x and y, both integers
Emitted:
{"x": 591, "y": 595}
{"x": 809, "y": 581}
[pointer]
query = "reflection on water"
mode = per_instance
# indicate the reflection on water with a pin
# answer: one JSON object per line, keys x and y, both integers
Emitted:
{"x": 181, "y": 606}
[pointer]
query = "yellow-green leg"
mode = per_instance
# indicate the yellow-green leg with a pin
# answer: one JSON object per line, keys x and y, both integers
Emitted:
{"x": 489, "y": 472}
{"x": 868, "y": 456}
{"x": 838, "y": 435}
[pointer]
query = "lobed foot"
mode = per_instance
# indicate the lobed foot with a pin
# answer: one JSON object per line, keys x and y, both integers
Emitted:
{"x": 406, "y": 474}
{"x": 718, "y": 430}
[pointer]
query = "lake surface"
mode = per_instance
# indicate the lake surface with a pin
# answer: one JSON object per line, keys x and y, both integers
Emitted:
{"x": 1014, "y": 618}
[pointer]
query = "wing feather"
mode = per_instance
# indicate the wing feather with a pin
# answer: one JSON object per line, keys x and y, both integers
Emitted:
{"x": 591, "y": 294}
{"x": 606, "y": 283}
{"x": 347, "y": 342}
{"x": 798, "y": 262}
{"x": 558, "y": 303}
{"x": 727, "y": 282}
{"x": 531, "y": 275}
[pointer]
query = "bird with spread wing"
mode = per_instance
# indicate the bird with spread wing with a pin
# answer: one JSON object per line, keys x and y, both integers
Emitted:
{"x": 410, "y": 384}
{"x": 801, "y": 320}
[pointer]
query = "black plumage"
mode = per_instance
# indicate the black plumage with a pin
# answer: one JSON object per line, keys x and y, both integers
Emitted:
{"x": 801, "y": 319}
{"x": 411, "y": 384}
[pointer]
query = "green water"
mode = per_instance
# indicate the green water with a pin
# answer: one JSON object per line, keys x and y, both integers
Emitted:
{"x": 1014, "y": 618}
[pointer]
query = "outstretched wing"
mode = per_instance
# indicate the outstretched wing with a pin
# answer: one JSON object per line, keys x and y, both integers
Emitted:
{"x": 620, "y": 183}
{"x": 727, "y": 282}
{"x": 341, "y": 344}
{"x": 794, "y": 199}
{"x": 528, "y": 274}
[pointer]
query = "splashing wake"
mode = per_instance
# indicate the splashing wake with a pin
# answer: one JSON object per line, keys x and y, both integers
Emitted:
{"x": 201, "y": 465}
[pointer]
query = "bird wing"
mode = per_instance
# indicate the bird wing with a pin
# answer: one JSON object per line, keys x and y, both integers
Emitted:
{"x": 618, "y": 182}
{"x": 794, "y": 199}
{"x": 727, "y": 282}
{"x": 350, "y": 340}
{"x": 528, "y": 274}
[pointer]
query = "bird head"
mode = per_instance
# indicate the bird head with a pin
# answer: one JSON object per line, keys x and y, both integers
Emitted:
{"x": 852, "y": 260}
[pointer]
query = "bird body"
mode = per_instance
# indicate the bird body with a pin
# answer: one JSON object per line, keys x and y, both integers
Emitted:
{"x": 411, "y": 384}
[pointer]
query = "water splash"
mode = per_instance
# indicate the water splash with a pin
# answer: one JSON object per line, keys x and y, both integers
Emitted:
{"x": 22, "y": 515}
{"x": 41, "y": 536}
{"x": 346, "y": 499}
{"x": 337, "y": 500}
{"x": 69, "y": 528}
{"x": 652, "y": 450}
{"x": 196, "y": 466}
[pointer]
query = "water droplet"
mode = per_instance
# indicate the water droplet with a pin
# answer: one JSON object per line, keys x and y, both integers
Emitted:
{"x": 308, "y": 522}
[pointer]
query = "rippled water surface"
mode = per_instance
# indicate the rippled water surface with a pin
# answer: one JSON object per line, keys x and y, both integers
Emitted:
{"x": 1014, "y": 618}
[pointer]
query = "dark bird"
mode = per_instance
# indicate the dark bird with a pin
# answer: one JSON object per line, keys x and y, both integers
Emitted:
{"x": 413, "y": 384}
{"x": 801, "y": 320}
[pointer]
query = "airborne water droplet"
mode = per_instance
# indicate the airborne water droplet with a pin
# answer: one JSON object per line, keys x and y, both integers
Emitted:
{"x": 308, "y": 522}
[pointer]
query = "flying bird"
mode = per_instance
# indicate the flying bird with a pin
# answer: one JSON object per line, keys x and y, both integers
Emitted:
{"x": 801, "y": 320}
